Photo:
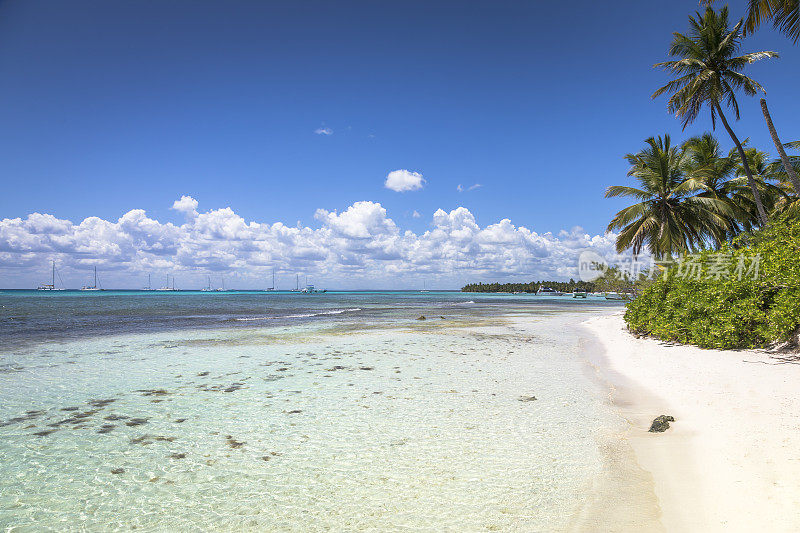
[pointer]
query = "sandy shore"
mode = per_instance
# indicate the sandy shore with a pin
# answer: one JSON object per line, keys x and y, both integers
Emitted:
{"x": 731, "y": 460}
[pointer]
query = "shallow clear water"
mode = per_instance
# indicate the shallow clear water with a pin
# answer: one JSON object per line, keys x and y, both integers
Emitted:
{"x": 364, "y": 419}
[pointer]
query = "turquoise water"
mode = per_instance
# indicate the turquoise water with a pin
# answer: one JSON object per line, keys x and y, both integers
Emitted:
{"x": 285, "y": 412}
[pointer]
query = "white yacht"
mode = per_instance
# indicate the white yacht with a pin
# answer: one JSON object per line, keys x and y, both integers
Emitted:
{"x": 52, "y": 285}
{"x": 269, "y": 289}
{"x": 547, "y": 291}
{"x": 167, "y": 287}
{"x": 93, "y": 287}
{"x": 207, "y": 288}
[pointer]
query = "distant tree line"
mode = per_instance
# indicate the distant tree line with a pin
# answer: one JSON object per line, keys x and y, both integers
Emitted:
{"x": 533, "y": 286}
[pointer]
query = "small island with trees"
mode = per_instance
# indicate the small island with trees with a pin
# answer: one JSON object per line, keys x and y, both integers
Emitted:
{"x": 532, "y": 286}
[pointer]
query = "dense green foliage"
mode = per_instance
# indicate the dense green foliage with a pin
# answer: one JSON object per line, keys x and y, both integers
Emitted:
{"x": 533, "y": 286}
{"x": 713, "y": 308}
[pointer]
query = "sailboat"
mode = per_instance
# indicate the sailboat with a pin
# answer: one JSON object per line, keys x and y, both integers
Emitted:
{"x": 167, "y": 287}
{"x": 149, "y": 286}
{"x": 273, "y": 282}
{"x": 424, "y": 289}
{"x": 297, "y": 284}
{"x": 222, "y": 289}
{"x": 207, "y": 288}
{"x": 52, "y": 285}
{"x": 93, "y": 287}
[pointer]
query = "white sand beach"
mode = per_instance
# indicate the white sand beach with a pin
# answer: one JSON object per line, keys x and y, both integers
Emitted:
{"x": 731, "y": 459}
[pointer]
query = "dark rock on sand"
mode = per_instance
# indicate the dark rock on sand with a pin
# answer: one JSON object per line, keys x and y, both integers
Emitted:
{"x": 661, "y": 424}
{"x": 117, "y": 470}
{"x": 106, "y": 428}
{"x": 527, "y": 398}
{"x": 177, "y": 456}
{"x": 136, "y": 422}
{"x": 45, "y": 433}
{"x": 421, "y": 317}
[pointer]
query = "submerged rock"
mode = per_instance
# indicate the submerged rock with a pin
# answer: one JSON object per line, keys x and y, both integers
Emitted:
{"x": 421, "y": 317}
{"x": 527, "y": 398}
{"x": 117, "y": 470}
{"x": 661, "y": 424}
{"x": 233, "y": 443}
{"x": 101, "y": 403}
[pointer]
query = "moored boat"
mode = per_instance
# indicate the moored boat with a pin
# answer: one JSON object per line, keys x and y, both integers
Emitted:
{"x": 547, "y": 291}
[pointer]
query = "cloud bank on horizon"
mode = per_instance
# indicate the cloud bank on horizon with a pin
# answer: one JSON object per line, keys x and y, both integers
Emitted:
{"x": 358, "y": 247}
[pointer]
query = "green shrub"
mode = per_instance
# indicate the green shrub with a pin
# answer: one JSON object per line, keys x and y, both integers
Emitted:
{"x": 713, "y": 308}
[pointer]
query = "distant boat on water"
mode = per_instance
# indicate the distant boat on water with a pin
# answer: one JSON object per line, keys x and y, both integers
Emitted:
{"x": 547, "y": 291}
{"x": 310, "y": 289}
{"x": 52, "y": 285}
{"x": 579, "y": 294}
{"x": 93, "y": 287}
{"x": 617, "y": 296}
{"x": 167, "y": 287}
{"x": 207, "y": 288}
{"x": 149, "y": 285}
{"x": 273, "y": 282}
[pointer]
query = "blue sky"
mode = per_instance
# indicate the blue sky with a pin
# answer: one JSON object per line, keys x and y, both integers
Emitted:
{"x": 107, "y": 107}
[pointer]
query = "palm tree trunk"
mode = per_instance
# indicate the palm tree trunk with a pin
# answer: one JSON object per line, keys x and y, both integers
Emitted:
{"x": 784, "y": 158}
{"x": 762, "y": 214}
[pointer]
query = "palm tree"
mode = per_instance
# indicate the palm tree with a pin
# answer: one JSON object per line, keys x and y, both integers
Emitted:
{"x": 709, "y": 73}
{"x": 765, "y": 170}
{"x": 713, "y": 175}
{"x": 667, "y": 218}
{"x": 784, "y": 14}
{"x": 786, "y": 17}
{"x": 778, "y": 146}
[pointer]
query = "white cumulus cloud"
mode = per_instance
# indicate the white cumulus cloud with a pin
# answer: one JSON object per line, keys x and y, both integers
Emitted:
{"x": 323, "y": 131}
{"x": 186, "y": 205}
{"x": 404, "y": 180}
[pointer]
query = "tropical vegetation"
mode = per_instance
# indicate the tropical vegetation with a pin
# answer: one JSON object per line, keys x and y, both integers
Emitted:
{"x": 531, "y": 287}
{"x": 724, "y": 227}
{"x": 746, "y": 295}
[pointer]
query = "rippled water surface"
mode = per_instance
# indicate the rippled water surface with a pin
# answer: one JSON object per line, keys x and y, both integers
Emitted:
{"x": 334, "y": 411}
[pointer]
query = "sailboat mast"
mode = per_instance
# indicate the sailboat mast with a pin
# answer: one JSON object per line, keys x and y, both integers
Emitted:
{"x": 95, "y": 276}
{"x": 54, "y": 275}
